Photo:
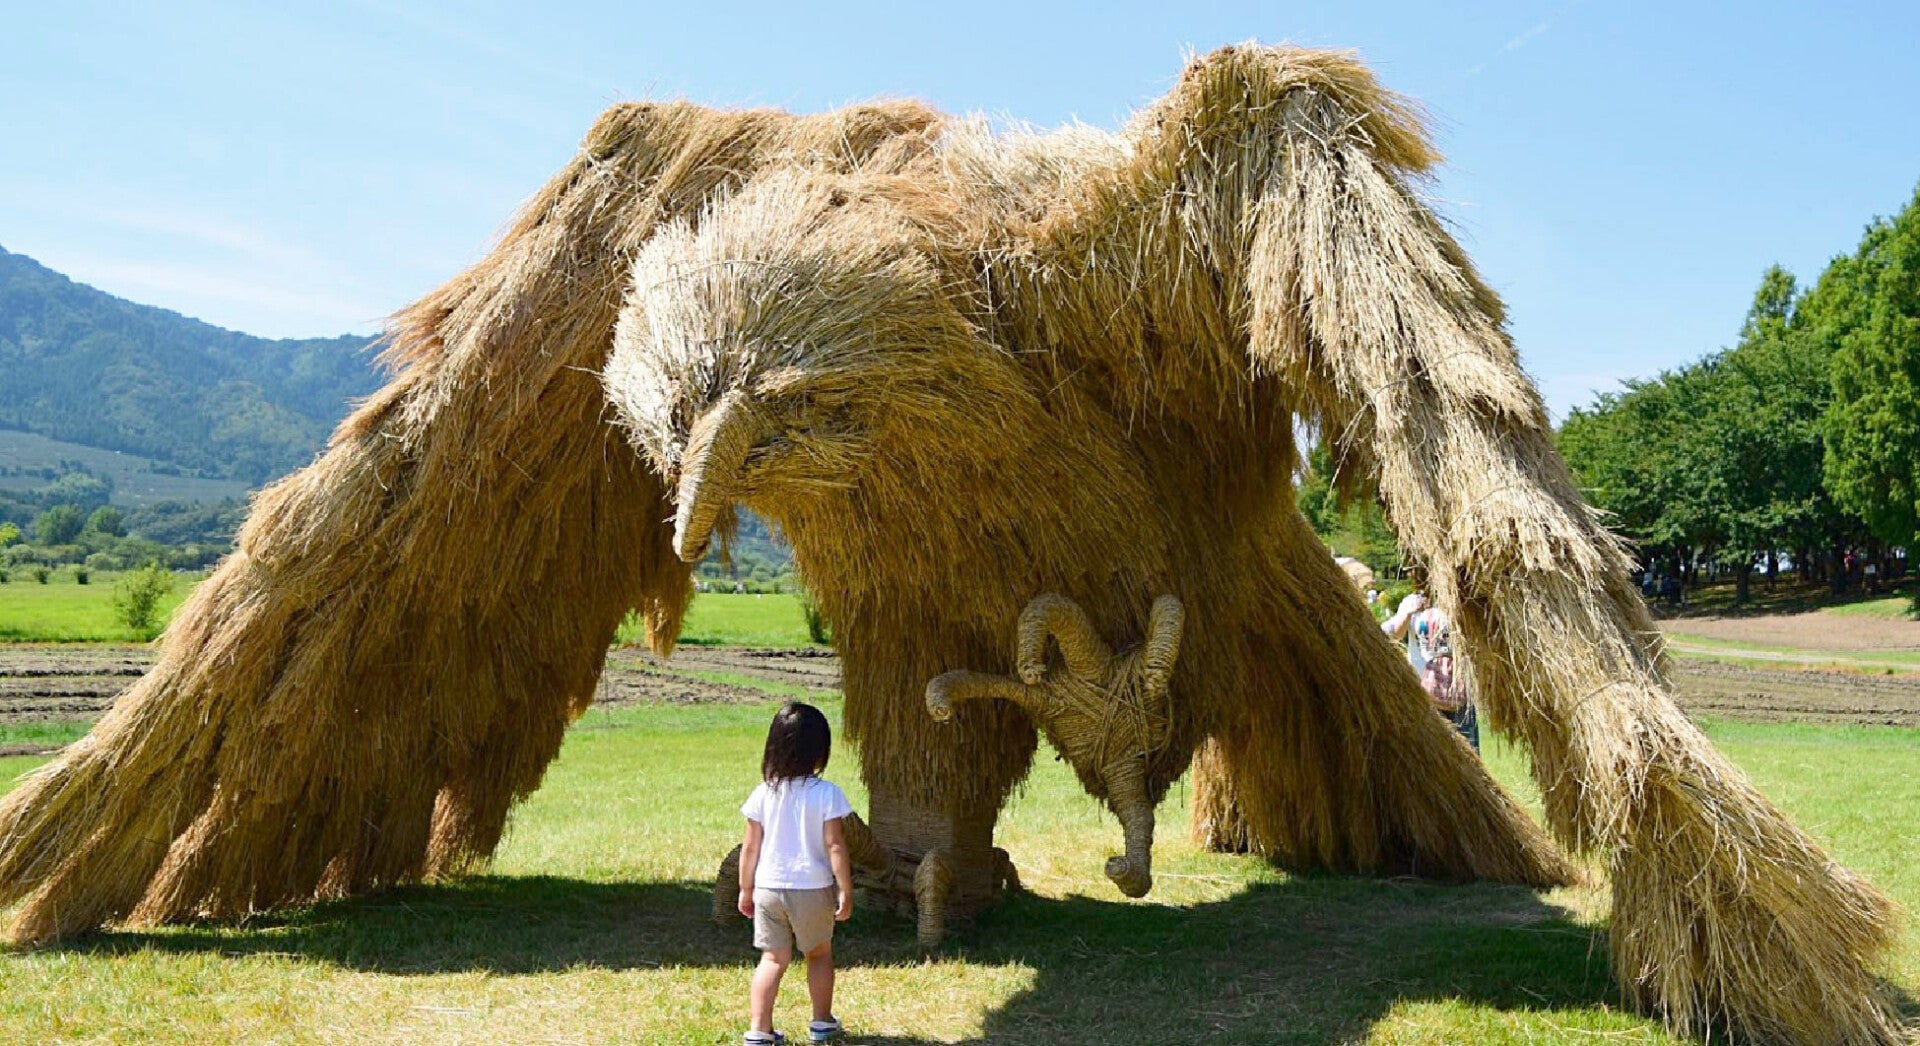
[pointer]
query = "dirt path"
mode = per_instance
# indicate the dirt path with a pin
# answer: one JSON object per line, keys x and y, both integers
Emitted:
{"x": 815, "y": 668}
{"x": 73, "y": 683}
{"x": 1812, "y": 631}
{"x": 1787, "y": 658}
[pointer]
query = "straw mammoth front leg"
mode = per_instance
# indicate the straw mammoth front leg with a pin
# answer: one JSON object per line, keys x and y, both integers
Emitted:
{"x": 1727, "y": 916}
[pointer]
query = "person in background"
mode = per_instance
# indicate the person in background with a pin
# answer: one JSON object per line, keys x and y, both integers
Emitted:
{"x": 1429, "y": 638}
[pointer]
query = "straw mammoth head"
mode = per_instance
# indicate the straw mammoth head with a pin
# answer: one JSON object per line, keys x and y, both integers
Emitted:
{"x": 765, "y": 346}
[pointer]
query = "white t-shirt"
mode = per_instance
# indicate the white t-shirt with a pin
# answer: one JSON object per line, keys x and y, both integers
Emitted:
{"x": 794, "y": 813}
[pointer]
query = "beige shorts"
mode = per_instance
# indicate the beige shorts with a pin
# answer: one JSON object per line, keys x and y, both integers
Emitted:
{"x": 801, "y": 920}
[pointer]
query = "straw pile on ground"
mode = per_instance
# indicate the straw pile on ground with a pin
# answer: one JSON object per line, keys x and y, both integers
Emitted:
{"x": 960, "y": 370}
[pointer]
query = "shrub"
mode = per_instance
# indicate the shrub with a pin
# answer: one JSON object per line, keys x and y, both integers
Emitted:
{"x": 3, "y": 577}
{"x": 818, "y": 628}
{"x": 136, "y": 598}
{"x": 41, "y": 574}
{"x": 80, "y": 576}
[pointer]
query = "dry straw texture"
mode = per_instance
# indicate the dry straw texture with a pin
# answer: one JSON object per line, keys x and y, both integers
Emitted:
{"x": 960, "y": 370}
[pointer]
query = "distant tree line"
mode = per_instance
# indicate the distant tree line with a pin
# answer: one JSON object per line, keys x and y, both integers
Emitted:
{"x": 754, "y": 558}
{"x": 1801, "y": 442}
{"x": 70, "y": 521}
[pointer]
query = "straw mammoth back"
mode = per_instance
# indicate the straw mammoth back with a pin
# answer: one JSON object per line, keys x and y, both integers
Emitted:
{"x": 962, "y": 372}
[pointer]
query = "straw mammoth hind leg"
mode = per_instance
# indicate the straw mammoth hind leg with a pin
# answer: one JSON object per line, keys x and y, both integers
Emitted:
{"x": 1324, "y": 753}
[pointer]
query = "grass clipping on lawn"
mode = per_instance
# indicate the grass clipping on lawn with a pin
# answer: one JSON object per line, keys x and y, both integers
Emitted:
{"x": 1064, "y": 363}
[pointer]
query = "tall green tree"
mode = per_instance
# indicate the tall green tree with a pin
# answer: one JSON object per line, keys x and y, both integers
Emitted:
{"x": 1870, "y": 317}
{"x": 107, "y": 521}
{"x": 1767, "y": 434}
{"x": 1723, "y": 457}
{"x": 58, "y": 525}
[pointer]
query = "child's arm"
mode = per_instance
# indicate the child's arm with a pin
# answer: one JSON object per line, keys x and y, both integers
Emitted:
{"x": 750, "y": 863}
{"x": 842, "y": 861}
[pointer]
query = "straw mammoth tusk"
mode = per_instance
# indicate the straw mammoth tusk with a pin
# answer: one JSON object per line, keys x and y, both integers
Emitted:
{"x": 717, "y": 449}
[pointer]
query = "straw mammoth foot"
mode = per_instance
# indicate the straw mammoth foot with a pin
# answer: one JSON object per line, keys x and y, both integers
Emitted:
{"x": 1773, "y": 950}
{"x": 927, "y": 888}
{"x": 933, "y": 890}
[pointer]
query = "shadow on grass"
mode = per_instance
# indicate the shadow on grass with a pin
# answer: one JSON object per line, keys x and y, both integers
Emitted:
{"x": 1791, "y": 596}
{"x": 1305, "y": 960}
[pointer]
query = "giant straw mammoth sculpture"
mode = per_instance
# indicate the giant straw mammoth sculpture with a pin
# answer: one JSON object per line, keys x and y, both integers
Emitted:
{"x": 958, "y": 369}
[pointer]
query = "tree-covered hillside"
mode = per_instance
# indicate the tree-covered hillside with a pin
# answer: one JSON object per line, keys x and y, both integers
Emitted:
{"x": 81, "y": 365}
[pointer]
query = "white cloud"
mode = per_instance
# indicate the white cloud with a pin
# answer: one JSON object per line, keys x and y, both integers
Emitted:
{"x": 1532, "y": 33}
{"x": 227, "y": 297}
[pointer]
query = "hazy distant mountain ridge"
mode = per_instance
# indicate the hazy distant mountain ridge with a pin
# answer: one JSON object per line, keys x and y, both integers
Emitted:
{"x": 79, "y": 364}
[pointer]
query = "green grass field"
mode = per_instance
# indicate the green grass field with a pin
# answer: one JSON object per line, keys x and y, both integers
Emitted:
{"x": 64, "y": 611}
{"x": 726, "y": 619}
{"x": 593, "y": 927}
{"x": 1886, "y": 608}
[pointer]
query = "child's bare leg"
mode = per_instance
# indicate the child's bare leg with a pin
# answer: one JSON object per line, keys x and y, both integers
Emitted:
{"x": 766, "y": 987}
{"x": 820, "y": 980}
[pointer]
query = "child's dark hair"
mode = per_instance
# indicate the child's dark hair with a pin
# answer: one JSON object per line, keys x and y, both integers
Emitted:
{"x": 798, "y": 743}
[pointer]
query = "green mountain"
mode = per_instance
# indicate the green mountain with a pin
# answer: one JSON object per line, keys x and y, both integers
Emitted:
{"x": 80, "y": 365}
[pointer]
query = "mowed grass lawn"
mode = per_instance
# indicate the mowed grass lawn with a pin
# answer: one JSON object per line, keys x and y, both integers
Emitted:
{"x": 593, "y": 926}
{"x": 63, "y": 611}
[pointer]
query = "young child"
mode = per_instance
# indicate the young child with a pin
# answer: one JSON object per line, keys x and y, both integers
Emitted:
{"x": 796, "y": 878}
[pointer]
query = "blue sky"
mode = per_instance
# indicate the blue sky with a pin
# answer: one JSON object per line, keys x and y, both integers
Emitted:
{"x": 1622, "y": 171}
